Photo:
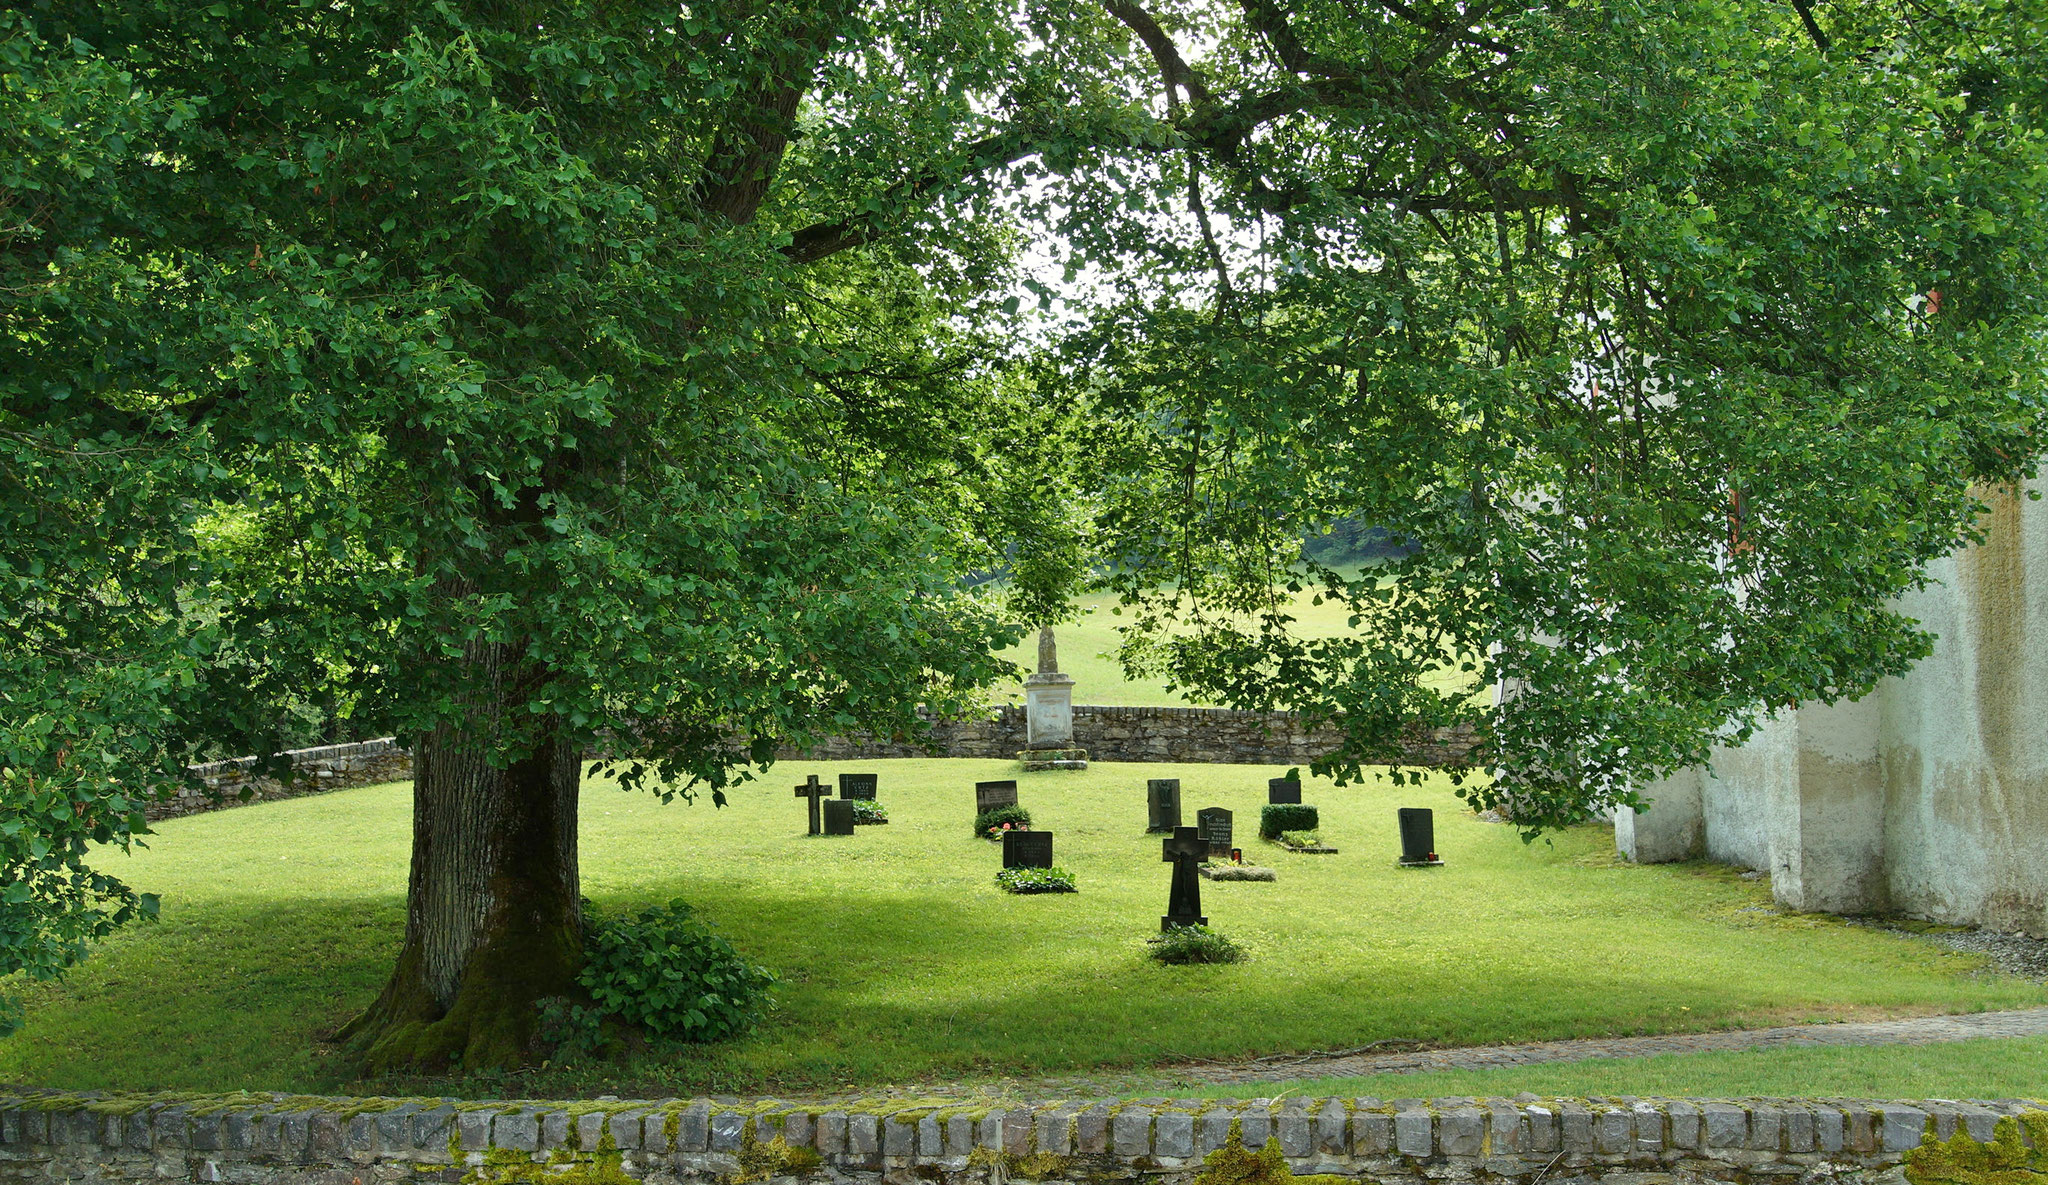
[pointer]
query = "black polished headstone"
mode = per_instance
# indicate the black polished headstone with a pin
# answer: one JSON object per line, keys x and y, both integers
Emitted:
{"x": 861, "y": 786}
{"x": 1418, "y": 835}
{"x": 1027, "y": 849}
{"x": 1162, "y": 804}
{"x": 1213, "y": 825}
{"x": 1283, "y": 790}
{"x": 1185, "y": 850}
{"x": 838, "y": 816}
{"x": 990, "y": 795}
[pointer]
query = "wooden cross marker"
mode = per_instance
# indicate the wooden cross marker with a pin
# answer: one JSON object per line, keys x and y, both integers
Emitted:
{"x": 814, "y": 791}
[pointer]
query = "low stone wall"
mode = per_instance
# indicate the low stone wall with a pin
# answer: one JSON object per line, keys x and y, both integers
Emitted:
{"x": 1140, "y": 734}
{"x": 314, "y": 771}
{"x": 262, "y": 1139}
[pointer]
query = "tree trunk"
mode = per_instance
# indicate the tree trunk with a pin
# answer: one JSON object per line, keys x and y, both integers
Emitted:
{"x": 493, "y": 922}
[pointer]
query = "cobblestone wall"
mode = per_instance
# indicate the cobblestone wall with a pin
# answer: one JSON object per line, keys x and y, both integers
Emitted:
{"x": 1141, "y": 734}
{"x": 262, "y": 1139}
{"x": 329, "y": 767}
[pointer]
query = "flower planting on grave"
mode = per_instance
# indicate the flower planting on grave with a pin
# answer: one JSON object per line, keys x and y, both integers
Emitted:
{"x": 663, "y": 973}
{"x": 1036, "y": 880}
{"x": 1301, "y": 839}
{"x": 1195, "y": 944}
{"x": 1280, "y": 817}
{"x": 991, "y": 824}
{"x": 867, "y": 813}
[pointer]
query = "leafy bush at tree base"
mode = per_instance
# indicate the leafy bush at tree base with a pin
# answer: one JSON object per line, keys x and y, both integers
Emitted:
{"x": 1036, "y": 880}
{"x": 995, "y": 817}
{"x": 663, "y": 972}
{"x": 1287, "y": 816}
{"x": 1195, "y": 944}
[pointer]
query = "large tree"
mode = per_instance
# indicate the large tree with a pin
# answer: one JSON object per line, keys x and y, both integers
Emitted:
{"x": 530, "y": 379}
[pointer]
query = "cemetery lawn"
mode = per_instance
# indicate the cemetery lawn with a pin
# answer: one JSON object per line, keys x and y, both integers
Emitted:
{"x": 903, "y": 964}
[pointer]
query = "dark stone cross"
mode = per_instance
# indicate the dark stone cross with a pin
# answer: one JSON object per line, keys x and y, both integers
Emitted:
{"x": 814, "y": 791}
{"x": 1184, "y": 900}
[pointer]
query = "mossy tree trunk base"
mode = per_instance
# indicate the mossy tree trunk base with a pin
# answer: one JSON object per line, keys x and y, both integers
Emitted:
{"x": 493, "y": 918}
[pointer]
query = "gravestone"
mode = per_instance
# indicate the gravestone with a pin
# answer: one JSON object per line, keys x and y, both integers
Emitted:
{"x": 990, "y": 795}
{"x": 1162, "y": 802}
{"x": 1185, "y": 850}
{"x": 839, "y": 816}
{"x": 861, "y": 786}
{"x": 1283, "y": 790}
{"x": 1213, "y": 825}
{"x": 1418, "y": 837}
{"x": 1027, "y": 849}
{"x": 1048, "y": 700}
{"x": 814, "y": 791}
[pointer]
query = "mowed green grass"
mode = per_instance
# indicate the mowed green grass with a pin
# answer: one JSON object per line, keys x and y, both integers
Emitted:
{"x": 1088, "y": 647}
{"x": 903, "y": 963}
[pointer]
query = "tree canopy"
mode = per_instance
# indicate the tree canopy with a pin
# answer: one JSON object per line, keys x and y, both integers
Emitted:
{"x": 536, "y": 381}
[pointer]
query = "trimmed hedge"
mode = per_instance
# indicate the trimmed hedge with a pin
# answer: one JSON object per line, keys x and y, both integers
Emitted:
{"x": 1287, "y": 816}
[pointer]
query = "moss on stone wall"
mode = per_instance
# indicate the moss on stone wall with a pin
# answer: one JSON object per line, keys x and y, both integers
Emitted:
{"x": 2006, "y": 1160}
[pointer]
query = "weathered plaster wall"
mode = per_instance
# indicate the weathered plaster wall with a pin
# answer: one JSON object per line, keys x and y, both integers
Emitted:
{"x": 1929, "y": 796}
{"x": 261, "y": 1140}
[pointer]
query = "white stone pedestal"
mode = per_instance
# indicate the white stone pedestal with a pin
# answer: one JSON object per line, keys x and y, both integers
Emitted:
{"x": 1049, "y": 710}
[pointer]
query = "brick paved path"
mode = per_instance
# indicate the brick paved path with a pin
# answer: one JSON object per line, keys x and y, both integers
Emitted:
{"x": 1919, "y": 1030}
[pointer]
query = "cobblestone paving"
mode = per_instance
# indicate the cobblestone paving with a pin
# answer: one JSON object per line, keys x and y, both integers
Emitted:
{"x": 1919, "y": 1030}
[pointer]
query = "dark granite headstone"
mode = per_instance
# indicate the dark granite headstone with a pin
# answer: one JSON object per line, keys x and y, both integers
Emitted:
{"x": 1283, "y": 790}
{"x": 1027, "y": 849}
{"x": 1184, "y": 898}
{"x": 1213, "y": 825}
{"x": 1418, "y": 836}
{"x": 860, "y": 786}
{"x": 813, "y": 790}
{"x": 990, "y": 795}
{"x": 1162, "y": 803}
{"x": 838, "y": 816}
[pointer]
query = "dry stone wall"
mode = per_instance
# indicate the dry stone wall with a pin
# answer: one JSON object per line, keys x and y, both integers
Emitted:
{"x": 314, "y": 771}
{"x": 1141, "y": 734}
{"x": 257, "y": 1139}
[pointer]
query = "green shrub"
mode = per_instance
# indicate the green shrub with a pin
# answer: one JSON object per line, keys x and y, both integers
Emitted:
{"x": 663, "y": 972}
{"x": 868, "y": 812}
{"x": 1301, "y": 839}
{"x": 1286, "y": 816}
{"x": 1196, "y": 944}
{"x": 1036, "y": 880}
{"x": 992, "y": 820}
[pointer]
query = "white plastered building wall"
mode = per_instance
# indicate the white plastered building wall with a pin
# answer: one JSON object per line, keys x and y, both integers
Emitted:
{"x": 1928, "y": 797}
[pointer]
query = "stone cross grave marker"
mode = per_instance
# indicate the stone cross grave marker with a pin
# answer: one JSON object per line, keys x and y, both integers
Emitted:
{"x": 861, "y": 786}
{"x": 838, "y": 816}
{"x": 1283, "y": 790}
{"x": 1162, "y": 800}
{"x": 1027, "y": 849}
{"x": 990, "y": 795}
{"x": 1185, "y": 850}
{"x": 1213, "y": 824}
{"x": 813, "y": 790}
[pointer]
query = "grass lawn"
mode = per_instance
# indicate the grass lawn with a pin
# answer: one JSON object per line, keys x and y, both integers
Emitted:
{"x": 904, "y": 964}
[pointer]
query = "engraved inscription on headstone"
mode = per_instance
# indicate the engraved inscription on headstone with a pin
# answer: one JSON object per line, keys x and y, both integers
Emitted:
{"x": 813, "y": 790}
{"x": 1184, "y": 850}
{"x": 1027, "y": 849}
{"x": 1213, "y": 825}
{"x": 1283, "y": 790}
{"x": 838, "y": 816}
{"x": 1162, "y": 802}
{"x": 1418, "y": 836}
{"x": 857, "y": 786}
{"x": 990, "y": 795}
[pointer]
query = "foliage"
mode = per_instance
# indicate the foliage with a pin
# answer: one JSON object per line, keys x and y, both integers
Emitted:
{"x": 664, "y": 973}
{"x": 1036, "y": 880}
{"x": 1195, "y": 944}
{"x": 991, "y": 823}
{"x": 1234, "y": 1164}
{"x": 867, "y": 811}
{"x": 1301, "y": 839}
{"x": 2006, "y": 1160}
{"x": 1276, "y": 817}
